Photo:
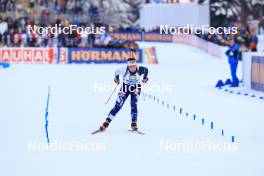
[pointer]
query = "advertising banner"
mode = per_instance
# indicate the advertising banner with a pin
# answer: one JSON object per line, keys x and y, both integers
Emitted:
{"x": 137, "y": 36}
{"x": 27, "y": 55}
{"x": 156, "y": 37}
{"x": 257, "y": 73}
{"x": 144, "y": 36}
{"x": 101, "y": 55}
{"x": 150, "y": 56}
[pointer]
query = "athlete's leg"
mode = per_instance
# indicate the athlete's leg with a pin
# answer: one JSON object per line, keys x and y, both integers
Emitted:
{"x": 134, "y": 110}
{"x": 122, "y": 96}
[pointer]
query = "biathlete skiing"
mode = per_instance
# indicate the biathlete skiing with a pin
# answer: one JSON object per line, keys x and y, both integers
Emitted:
{"x": 130, "y": 86}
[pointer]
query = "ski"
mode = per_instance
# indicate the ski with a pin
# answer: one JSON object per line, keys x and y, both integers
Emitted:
{"x": 97, "y": 131}
{"x": 136, "y": 131}
{"x": 132, "y": 131}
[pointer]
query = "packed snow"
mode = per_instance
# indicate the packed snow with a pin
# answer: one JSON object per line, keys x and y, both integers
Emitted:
{"x": 77, "y": 108}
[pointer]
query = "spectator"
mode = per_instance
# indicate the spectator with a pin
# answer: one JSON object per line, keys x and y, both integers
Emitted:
{"x": 253, "y": 43}
{"x": 31, "y": 3}
{"x": 233, "y": 56}
{"x": 261, "y": 26}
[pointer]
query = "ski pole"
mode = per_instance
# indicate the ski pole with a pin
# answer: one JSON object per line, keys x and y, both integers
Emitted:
{"x": 111, "y": 94}
{"x": 143, "y": 84}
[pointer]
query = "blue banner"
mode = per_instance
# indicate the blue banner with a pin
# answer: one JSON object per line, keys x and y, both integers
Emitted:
{"x": 101, "y": 55}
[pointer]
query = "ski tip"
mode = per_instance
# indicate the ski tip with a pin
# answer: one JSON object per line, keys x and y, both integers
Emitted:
{"x": 96, "y": 131}
{"x": 136, "y": 131}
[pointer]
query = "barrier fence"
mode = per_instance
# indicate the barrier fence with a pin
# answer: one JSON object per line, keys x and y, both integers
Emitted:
{"x": 253, "y": 70}
{"x": 191, "y": 40}
{"x": 74, "y": 55}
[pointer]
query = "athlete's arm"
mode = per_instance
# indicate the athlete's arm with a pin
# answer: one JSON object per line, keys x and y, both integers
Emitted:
{"x": 118, "y": 72}
{"x": 143, "y": 71}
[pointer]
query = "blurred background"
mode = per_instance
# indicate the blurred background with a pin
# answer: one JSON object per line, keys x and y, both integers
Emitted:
{"x": 120, "y": 16}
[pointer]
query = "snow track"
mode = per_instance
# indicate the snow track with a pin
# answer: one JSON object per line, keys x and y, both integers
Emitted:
{"x": 75, "y": 110}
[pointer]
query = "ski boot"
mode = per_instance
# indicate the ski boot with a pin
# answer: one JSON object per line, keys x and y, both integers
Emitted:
{"x": 105, "y": 124}
{"x": 134, "y": 126}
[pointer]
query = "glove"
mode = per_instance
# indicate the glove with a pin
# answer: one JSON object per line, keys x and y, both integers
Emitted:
{"x": 145, "y": 80}
{"x": 116, "y": 81}
{"x": 136, "y": 93}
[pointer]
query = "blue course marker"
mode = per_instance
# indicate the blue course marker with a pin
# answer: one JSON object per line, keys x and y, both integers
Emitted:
{"x": 222, "y": 132}
{"x": 163, "y": 103}
{"x": 4, "y": 65}
{"x": 233, "y": 138}
{"x": 46, "y": 117}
